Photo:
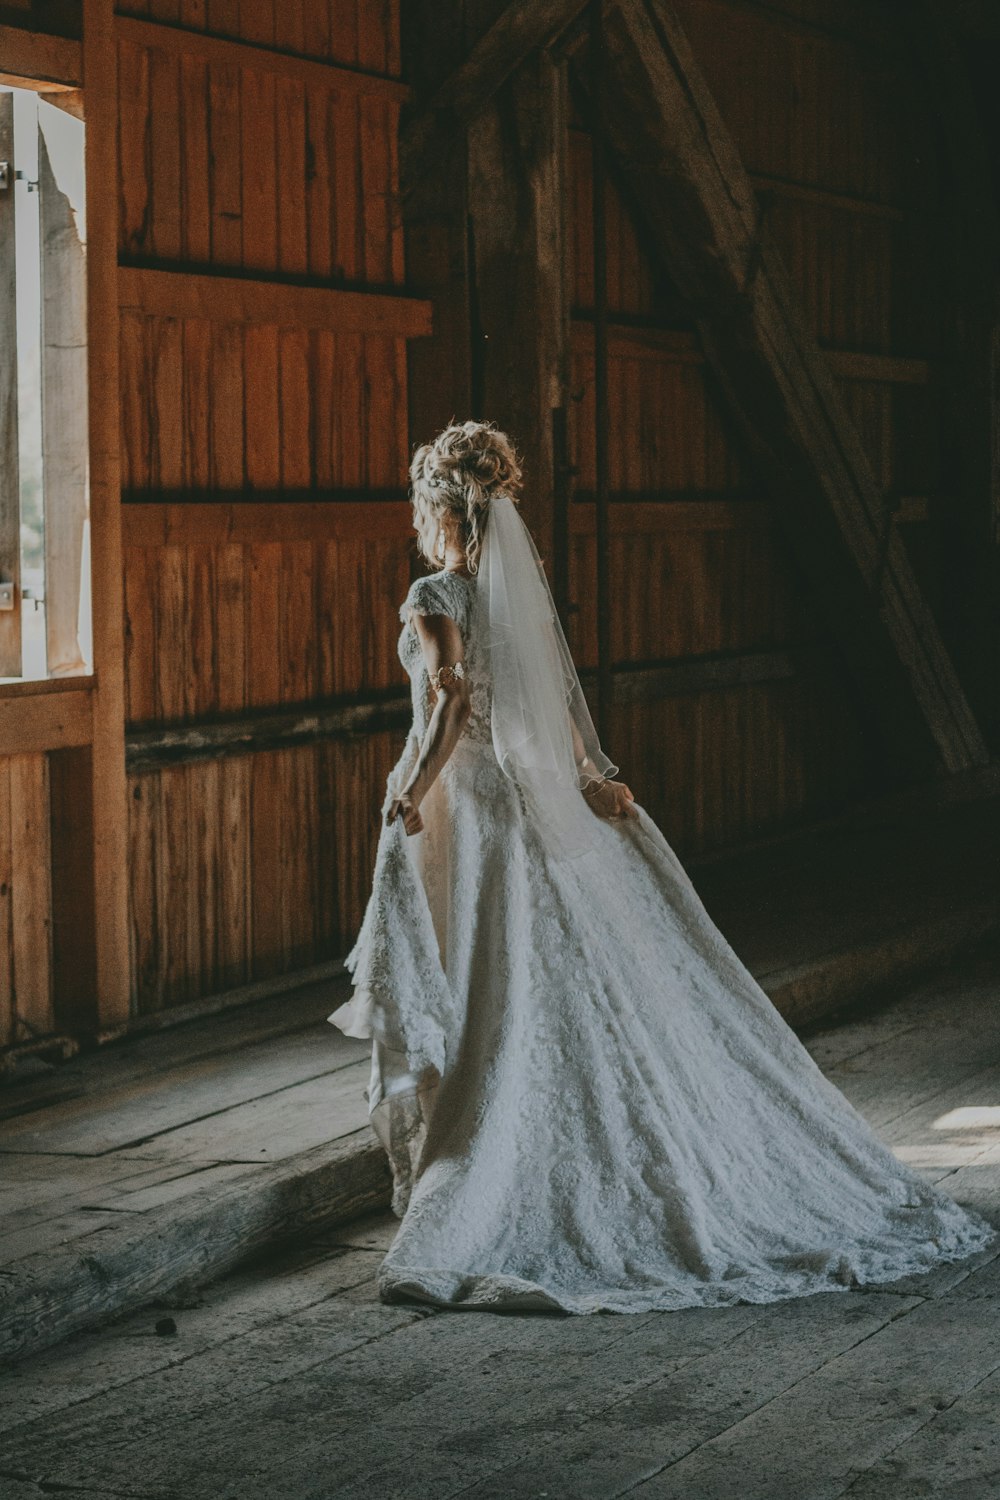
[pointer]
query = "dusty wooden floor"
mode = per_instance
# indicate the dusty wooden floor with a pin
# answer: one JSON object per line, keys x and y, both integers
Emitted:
{"x": 136, "y": 1128}
{"x": 290, "y": 1380}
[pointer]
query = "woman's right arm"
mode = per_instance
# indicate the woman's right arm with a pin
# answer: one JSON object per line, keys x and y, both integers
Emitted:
{"x": 442, "y": 645}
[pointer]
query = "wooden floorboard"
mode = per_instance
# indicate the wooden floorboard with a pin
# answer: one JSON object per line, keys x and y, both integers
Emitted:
{"x": 145, "y": 1111}
{"x": 277, "y": 1126}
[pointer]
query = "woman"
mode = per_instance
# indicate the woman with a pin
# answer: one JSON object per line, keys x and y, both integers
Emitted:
{"x": 587, "y": 1100}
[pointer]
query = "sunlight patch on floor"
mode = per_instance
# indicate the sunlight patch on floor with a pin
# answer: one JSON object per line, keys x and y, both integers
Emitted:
{"x": 970, "y": 1117}
{"x": 973, "y": 1132}
{"x": 945, "y": 1156}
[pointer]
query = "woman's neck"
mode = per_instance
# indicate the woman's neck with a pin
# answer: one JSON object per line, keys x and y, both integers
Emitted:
{"x": 454, "y": 561}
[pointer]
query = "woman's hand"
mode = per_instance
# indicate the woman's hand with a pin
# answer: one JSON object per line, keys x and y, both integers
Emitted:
{"x": 610, "y": 799}
{"x": 406, "y": 808}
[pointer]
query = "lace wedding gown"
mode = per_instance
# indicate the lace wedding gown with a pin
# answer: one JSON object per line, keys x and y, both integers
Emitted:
{"x": 587, "y": 1100}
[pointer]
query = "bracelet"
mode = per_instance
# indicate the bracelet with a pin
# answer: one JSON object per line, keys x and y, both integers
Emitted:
{"x": 594, "y": 786}
{"x": 444, "y": 676}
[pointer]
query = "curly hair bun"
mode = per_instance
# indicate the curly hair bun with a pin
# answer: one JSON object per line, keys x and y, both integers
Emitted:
{"x": 454, "y": 478}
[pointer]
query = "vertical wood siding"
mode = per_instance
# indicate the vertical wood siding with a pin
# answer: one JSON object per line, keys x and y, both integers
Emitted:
{"x": 237, "y": 160}
{"x": 358, "y": 33}
{"x": 251, "y": 865}
{"x": 228, "y": 163}
{"x": 26, "y": 1001}
{"x": 213, "y": 408}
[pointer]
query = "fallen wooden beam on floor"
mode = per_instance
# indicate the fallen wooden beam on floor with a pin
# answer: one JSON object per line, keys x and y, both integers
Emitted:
{"x": 201, "y": 1237}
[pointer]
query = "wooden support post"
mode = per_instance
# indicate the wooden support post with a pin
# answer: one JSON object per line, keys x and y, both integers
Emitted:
{"x": 516, "y": 149}
{"x": 705, "y": 220}
{"x": 10, "y": 497}
{"x": 482, "y": 183}
{"x": 107, "y": 775}
{"x": 435, "y": 226}
{"x": 64, "y": 414}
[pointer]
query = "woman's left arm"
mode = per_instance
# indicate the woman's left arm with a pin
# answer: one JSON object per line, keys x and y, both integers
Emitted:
{"x": 608, "y": 799}
{"x": 441, "y": 641}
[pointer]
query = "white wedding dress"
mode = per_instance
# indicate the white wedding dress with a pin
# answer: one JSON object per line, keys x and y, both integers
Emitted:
{"x": 588, "y": 1101}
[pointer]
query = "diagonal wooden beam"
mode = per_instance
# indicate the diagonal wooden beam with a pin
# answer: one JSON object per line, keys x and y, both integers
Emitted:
{"x": 523, "y": 27}
{"x": 669, "y": 139}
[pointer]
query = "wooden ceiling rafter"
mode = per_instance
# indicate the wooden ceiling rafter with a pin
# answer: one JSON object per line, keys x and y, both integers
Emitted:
{"x": 522, "y": 28}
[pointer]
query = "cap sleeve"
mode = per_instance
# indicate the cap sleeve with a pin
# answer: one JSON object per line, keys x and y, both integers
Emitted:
{"x": 425, "y": 597}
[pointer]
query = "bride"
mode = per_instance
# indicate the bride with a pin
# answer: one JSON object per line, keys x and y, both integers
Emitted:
{"x": 588, "y": 1102}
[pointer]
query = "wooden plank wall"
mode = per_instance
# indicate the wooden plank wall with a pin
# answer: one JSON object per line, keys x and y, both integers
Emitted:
{"x": 840, "y": 135}
{"x": 828, "y": 115}
{"x": 264, "y": 445}
{"x": 275, "y": 160}
{"x": 26, "y": 998}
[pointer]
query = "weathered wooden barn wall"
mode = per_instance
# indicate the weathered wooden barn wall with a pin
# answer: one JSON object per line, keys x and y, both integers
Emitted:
{"x": 250, "y": 415}
{"x": 265, "y": 340}
{"x": 832, "y": 119}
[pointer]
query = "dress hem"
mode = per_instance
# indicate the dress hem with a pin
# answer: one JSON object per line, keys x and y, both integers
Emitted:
{"x": 504, "y": 1293}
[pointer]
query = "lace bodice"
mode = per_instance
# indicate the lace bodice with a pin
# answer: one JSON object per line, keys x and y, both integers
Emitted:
{"x": 451, "y": 594}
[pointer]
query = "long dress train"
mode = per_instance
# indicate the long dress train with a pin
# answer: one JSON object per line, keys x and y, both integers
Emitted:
{"x": 588, "y": 1101}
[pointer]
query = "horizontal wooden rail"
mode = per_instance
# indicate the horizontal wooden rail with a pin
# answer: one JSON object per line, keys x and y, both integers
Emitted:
{"x": 238, "y": 299}
{"x": 308, "y": 723}
{"x": 815, "y": 193}
{"x": 852, "y": 203}
{"x": 164, "y": 37}
{"x": 714, "y": 671}
{"x": 32, "y": 687}
{"x": 28, "y": 58}
{"x": 207, "y": 523}
{"x": 267, "y": 729}
{"x": 680, "y": 346}
{"x": 32, "y": 722}
{"x": 630, "y": 514}
{"x": 879, "y": 369}
{"x": 213, "y": 523}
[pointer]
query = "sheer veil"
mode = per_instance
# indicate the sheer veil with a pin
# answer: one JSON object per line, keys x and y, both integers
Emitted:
{"x": 543, "y": 734}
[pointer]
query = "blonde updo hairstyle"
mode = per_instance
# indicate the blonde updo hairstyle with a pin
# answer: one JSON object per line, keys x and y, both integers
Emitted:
{"x": 452, "y": 481}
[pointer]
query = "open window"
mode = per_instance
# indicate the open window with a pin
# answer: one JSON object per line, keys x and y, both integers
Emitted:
{"x": 45, "y": 608}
